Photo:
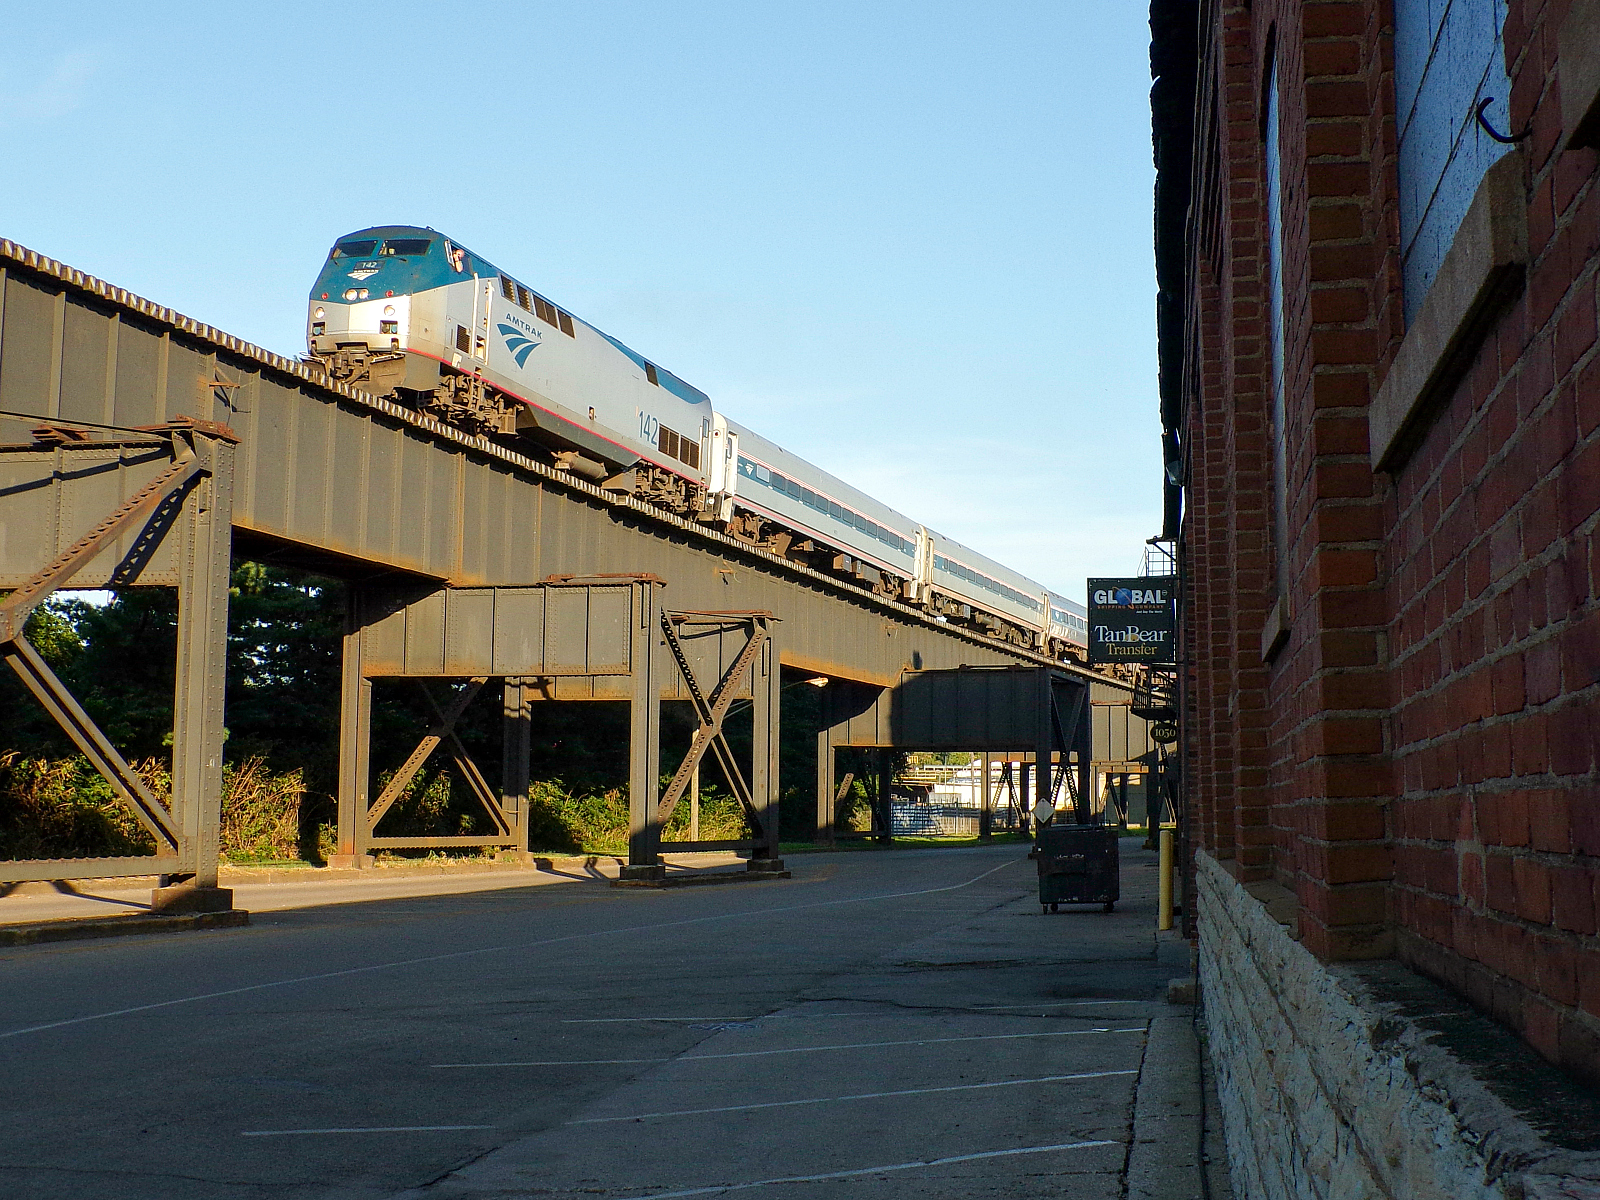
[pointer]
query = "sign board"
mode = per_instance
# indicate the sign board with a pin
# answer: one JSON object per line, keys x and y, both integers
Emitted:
{"x": 1164, "y": 734}
{"x": 1133, "y": 620}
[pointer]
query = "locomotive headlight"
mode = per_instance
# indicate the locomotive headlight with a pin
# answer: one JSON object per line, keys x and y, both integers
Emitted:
{"x": 319, "y": 314}
{"x": 355, "y": 293}
{"x": 388, "y": 310}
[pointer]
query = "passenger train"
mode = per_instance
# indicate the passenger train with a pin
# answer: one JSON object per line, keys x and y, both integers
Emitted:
{"x": 405, "y": 312}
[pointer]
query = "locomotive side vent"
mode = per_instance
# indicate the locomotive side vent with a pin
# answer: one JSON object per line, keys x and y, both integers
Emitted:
{"x": 675, "y": 445}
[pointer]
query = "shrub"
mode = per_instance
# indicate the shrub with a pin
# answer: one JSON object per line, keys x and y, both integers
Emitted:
{"x": 63, "y": 808}
{"x": 260, "y": 812}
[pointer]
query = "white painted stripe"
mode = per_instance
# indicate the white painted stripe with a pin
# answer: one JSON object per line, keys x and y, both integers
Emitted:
{"x": 859, "y": 1171}
{"x": 646, "y": 1020}
{"x": 601, "y": 1062}
{"x": 459, "y": 954}
{"x": 959, "y": 1087}
{"x": 362, "y": 1129}
{"x": 1062, "y": 1004}
{"x": 940, "y": 1010}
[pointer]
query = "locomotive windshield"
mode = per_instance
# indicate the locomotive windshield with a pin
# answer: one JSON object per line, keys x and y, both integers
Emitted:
{"x": 407, "y": 247}
{"x": 361, "y": 248}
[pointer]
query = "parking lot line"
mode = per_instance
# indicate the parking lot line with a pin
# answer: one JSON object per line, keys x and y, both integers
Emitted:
{"x": 859, "y": 1171}
{"x": 362, "y": 1129}
{"x": 959, "y": 1087}
{"x": 600, "y": 1062}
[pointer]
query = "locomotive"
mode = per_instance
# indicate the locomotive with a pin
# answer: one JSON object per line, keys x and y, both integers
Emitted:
{"x": 407, "y": 313}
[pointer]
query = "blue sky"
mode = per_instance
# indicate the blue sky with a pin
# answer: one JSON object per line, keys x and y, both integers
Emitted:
{"x": 908, "y": 241}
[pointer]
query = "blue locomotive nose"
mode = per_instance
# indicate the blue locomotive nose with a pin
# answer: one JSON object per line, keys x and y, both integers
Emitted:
{"x": 366, "y": 267}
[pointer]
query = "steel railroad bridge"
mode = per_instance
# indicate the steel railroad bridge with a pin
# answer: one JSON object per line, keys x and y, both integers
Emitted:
{"x": 139, "y": 447}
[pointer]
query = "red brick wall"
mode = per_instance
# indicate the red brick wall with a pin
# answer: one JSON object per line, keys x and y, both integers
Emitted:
{"x": 1418, "y": 762}
{"x": 1495, "y": 633}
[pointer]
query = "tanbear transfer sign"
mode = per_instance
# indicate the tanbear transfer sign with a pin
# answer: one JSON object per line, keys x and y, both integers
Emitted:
{"x": 1132, "y": 620}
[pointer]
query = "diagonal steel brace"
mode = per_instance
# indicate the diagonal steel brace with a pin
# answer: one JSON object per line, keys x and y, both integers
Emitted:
{"x": 719, "y": 746}
{"x": 85, "y": 734}
{"x": 1082, "y": 694}
{"x": 14, "y": 611}
{"x": 469, "y": 769}
{"x": 711, "y": 714}
{"x": 444, "y": 727}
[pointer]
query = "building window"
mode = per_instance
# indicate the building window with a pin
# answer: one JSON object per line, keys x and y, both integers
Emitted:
{"x": 1272, "y": 157}
{"x": 1448, "y": 58}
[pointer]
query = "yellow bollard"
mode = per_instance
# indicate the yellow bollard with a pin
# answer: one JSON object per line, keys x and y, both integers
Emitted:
{"x": 1164, "y": 899}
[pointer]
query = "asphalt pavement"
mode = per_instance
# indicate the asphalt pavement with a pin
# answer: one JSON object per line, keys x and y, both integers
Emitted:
{"x": 883, "y": 1024}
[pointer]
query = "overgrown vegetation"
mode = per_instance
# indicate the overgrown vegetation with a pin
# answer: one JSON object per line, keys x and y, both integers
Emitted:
{"x": 62, "y": 808}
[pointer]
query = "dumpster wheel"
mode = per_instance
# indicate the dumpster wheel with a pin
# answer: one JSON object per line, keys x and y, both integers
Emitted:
{"x": 1111, "y": 906}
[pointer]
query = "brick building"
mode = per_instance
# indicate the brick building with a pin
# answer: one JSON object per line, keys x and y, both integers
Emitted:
{"x": 1378, "y": 248}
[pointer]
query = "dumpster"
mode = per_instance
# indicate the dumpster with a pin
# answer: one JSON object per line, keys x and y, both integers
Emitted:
{"x": 1077, "y": 865}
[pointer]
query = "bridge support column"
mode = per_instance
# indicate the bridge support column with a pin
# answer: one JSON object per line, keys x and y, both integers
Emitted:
{"x": 766, "y": 709}
{"x": 644, "y": 739}
{"x": 516, "y": 753}
{"x": 355, "y": 746}
{"x": 197, "y": 731}
{"x": 883, "y": 801}
{"x": 1083, "y": 742}
{"x": 986, "y": 801}
{"x": 827, "y": 788}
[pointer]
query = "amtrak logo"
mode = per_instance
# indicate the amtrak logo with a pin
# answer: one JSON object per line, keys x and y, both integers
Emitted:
{"x": 519, "y": 343}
